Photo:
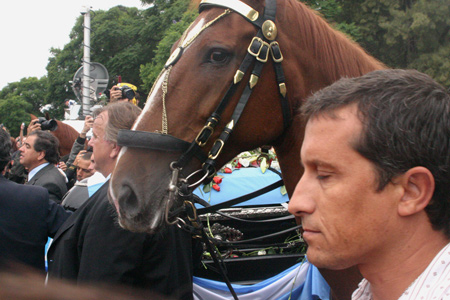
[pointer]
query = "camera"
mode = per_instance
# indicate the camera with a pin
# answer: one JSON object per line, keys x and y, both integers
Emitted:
{"x": 127, "y": 92}
{"x": 47, "y": 124}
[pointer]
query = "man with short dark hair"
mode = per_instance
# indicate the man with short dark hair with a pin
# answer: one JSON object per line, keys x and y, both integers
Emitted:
{"x": 39, "y": 155}
{"x": 376, "y": 188}
{"x": 86, "y": 176}
{"x": 83, "y": 165}
{"x": 27, "y": 217}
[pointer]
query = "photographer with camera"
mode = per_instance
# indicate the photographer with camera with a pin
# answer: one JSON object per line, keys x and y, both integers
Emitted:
{"x": 41, "y": 123}
{"x": 124, "y": 92}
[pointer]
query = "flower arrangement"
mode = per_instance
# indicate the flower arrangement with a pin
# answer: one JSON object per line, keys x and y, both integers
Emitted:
{"x": 262, "y": 158}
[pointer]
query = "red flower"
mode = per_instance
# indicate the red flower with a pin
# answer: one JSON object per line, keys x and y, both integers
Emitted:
{"x": 227, "y": 170}
{"x": 216, "y": 187}
{"x": 217, "y": 179}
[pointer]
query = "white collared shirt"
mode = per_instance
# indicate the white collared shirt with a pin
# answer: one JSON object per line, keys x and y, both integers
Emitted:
{"x": 432, "y": 284}
{"x": 35, "y": 170}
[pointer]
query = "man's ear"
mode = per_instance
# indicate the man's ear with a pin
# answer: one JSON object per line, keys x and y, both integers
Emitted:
{"x": 115, "y": 151}
{"x": 418, "y": 185}
{"x": 41, "y": 155}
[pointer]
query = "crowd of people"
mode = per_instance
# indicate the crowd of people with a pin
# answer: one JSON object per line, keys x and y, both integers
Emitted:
{"x": 374, "y": 194}
{"x": 67, "y": 201}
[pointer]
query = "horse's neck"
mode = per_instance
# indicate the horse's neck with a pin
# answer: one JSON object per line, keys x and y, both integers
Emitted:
{"x": 288, "y": 154}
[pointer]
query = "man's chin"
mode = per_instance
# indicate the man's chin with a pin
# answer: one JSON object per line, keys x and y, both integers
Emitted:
{"x": 329, "y": 263}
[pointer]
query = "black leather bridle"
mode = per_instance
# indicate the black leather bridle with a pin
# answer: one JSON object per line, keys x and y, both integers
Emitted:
{"x": 262, "y": 46}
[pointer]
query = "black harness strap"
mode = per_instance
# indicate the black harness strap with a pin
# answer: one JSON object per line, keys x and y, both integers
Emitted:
{"x": 212, "y": 208}
{"x": 216, "y": 261}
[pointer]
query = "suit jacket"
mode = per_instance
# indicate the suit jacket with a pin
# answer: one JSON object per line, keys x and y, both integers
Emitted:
{"x": 52, "y": 179}
{"x": 91, "y": 247}
{"x": 27, "y": 219}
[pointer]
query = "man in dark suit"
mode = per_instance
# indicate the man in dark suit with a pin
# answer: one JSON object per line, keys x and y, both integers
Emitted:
{"x": 27, "y": 216}
{"x": 91, "y": 246}
{"x": 38, "y": 155}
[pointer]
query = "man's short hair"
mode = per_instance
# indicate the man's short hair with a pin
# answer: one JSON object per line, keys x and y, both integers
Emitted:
{"x": 5, "y": 149}
{"x": 47, "y": 142}
{"x": 86, "y": 155}
{"x": 406, "y": 123}
{"x": 121, "y": 115}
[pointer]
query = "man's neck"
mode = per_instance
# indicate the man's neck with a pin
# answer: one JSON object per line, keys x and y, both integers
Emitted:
{"x": 34, "y": 166}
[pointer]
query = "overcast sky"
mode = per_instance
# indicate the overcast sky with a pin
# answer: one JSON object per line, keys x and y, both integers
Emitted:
{"x": 31, "y": 27}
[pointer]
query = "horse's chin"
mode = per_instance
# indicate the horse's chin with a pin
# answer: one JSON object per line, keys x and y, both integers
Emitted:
{"x": 141, "y": 221}
{"x": 141, "y": 224}
{"x": 135, "y": 214}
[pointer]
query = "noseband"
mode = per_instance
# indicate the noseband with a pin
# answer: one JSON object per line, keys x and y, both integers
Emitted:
{"x": 261, "y": 47}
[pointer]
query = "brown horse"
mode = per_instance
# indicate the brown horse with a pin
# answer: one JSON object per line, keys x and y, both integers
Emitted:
{"x": 190, "y": 88}
{"x": 66, "y": 135}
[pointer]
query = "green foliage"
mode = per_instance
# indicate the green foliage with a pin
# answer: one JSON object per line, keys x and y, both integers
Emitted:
{"x": 402, "y": 34}
{"x": 31, "y": 90}
{"x": 417, "y": 34}
{"x": 150, "y": 71}
{"x": 13, "y": 111}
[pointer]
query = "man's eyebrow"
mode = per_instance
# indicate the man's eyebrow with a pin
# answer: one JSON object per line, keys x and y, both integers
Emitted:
{"x": 319, "y": 163}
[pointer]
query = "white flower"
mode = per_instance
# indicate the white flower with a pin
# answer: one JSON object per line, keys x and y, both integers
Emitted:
{"x": 245, "y": 162}
{"x": 274, "y": 164}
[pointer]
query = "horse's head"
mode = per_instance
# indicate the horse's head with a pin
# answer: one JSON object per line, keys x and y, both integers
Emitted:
{"x": 185, "y": 96}
{"x": 233, "y": 52}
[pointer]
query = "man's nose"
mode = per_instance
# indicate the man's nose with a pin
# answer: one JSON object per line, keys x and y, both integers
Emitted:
{"x": 302, "y": 201}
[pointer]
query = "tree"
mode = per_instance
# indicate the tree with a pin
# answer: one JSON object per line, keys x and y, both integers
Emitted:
{"x": 13, "y": 110}
{"x": 31, "y": 90}
{"x": 117, "y": 43}
{"x": 150, "y": 71}
{"x": 419, "y": 34}
{"x": 402, "y": 33}
{"x": 122, "y": 39}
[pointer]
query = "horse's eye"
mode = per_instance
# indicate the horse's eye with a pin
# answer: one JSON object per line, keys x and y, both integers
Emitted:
{"x": 218, "y": 56}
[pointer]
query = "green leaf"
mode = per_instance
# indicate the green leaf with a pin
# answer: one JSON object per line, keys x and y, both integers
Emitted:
{"x": 263, "y": 165}
{"x": 283, "y": 190}
{"x": 207, "y": 187}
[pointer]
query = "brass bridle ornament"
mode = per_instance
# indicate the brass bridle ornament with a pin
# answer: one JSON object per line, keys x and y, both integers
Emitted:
{"x": 262, "y": 46}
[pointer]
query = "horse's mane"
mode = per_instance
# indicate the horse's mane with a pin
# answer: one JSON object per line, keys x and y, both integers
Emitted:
{"x": 330, "y": 47}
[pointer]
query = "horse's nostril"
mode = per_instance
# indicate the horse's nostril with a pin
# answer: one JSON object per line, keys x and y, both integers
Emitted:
{"x": 128, "y": 202}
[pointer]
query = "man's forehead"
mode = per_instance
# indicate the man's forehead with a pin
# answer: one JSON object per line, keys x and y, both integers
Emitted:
{"x": 30, "y": 140}
{"x": 85, "y": 162}
{"x": 101, "y": 118}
